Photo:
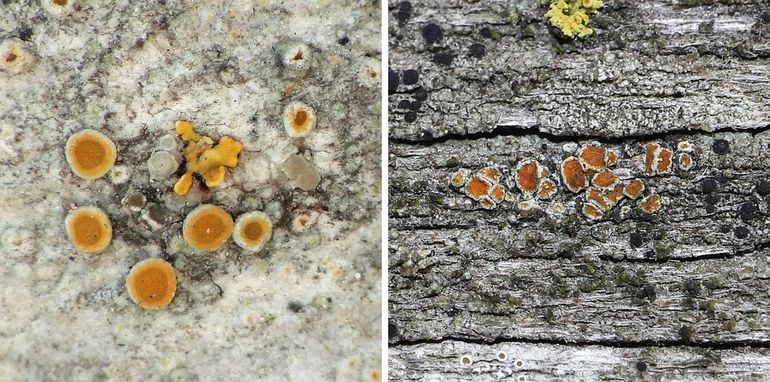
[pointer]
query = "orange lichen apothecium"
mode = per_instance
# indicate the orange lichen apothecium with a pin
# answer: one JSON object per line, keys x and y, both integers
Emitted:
{"x": 482, "y": 186}
{"x": 253, "y": 230}
{"x": 89, "y": 229}
{"x": 204, "y": 158}
{"x": 207, "y": 227}
{"x": 151, "y": 283}
{"x": 90, "y": 154}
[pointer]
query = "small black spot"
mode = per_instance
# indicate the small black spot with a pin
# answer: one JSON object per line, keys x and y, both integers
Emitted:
{"x": 404, "y": 104}
{"x": 392, "y": 330}
{"x": 710, "y": 208}
{"x": 720, "y": 147}
{"x": 421, "y": 94}
{"x": 416, "y": 105}
{"x": 476, "y": 50}
{"x": 410, "y": 117}
{"x": 763, "y": 188}
{"x": 765, "y": 17}
{"x": 25, "y": 32}
{"x": 741, "y": 232}
{"x": 411, "y": 76}
{"x": 636, "y": 239}
{"x": 747, "y": 211}
{"x": 432, "y": 33}
{"x": 641, "y": 366}
{"x": 295, "y": 307}
{"x": 392, "y": 82}
{"x": 709, "y": 185}
{"x": 444, "y": 57}
{"x": 685, "y": 333}
{"x": 725, "y": 228}
{"x": 343, "y": 41}
{"x": 403, "y": 11}
{"x": 485, "y": 32}
{"x": 712, "y": 199}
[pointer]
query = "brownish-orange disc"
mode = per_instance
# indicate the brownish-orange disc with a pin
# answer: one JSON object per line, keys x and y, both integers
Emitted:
{"x": 151, "y": 283}
{"x": 207, "y": 227}
{"x": 90, "y": 154}
{"x": 298, "y": 119}
{"x": 89, "y": 229}
{"x": 253, "y": 230}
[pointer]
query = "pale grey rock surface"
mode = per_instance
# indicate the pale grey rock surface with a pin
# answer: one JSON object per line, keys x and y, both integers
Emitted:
{"x": 307, "y": 307}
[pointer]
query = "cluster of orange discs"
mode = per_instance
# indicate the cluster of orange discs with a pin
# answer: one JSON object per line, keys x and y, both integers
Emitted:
{"x": 151, "y": 283}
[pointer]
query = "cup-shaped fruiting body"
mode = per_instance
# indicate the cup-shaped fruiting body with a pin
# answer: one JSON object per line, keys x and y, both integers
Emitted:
{"x": 651, "y": 151}
{"x": 546, "y": 189}
{"x": 573, "y": 175}
{"x": 497, "y": 193}
{"x": 304, "y": 174}
{"x": 58, "y": 7}
{"x": 296, "y": 58}
{"x": 528, "y": 176}
{"x": 253, "y": 230}
{"x": 303, "y": 220}
{"x": 650, "y": 204}
{"x": 89, "y": 229}
{"x": 15, "y": 57}
{"x": 90, "y": 154}
{"x": 612, "y": 158}
{"x": 298, "y": 119}
{"x": 477, "y": 187}
{"x": 597, "y": 198}
{"x": 593, "y": 157}
{"x": 161, "y": 165}
{"x": 615, "y": 195}
{"x": 207, "y": 227}
{"x": 605, "y": 180}
{"x": 664, "y": 161}
{"x": 685, "y": 146}
{"x": 204, "y": 158}
{"x": 151, "y": 283}
{"x": 486, "y": 202}
{"x": 592, "y": 212}
{"x": 459, "y": 177}
{"x": 685, "y": 161}
{"x": 634, "y": 188}
{"x": 490, "y": 173}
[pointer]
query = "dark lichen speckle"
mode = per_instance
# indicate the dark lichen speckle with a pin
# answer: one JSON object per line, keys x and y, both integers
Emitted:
{"x": 392, "y": 330}
{"x": 445, "y": 57}
{"x": 343, "y": 40}
{"x": 404, "y": 104}
{"x": 763, "y": 188}
{"x": 485, "y": 32}
{"x": 741, "y": 232}
{"x": 709, "y": 185}
{"x": 641, "y": 366}
{"x": 636, "y": 239}
{"x": 295, "y": 307}
{"x": 685, "y": 333}
{"x": 476, "y": 50}
{"x": 411, "y": 76}
{"x": 432, "y": 33}
{"x": 392, "y": 82}
{"x": 410, "y": 117}
{"x": 403, "y": 11}
{"x": 416, "y": 105}
{"x": 725, "y": 228}
{"x": 748, "y": 211}
{"x": 421, "y": 95}
{"x": 721, "y": 147}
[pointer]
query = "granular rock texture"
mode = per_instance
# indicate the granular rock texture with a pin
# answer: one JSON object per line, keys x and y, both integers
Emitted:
{"x": 664, "y": 282}
{"x": 307, "y": 306}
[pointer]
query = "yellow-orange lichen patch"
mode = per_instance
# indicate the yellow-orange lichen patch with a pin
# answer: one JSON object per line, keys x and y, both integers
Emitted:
{"x": 684, "y": 146}
{"x": 573, "y": 175}
{"x": 459, "y": 177}
{"x": 612, "y": 157}
{"x": 204, "y": 158}
{"x": 89, "y": 229}
{"x": 634, "y": 188}
{"x": 497, "y": 193}
{"x": 528, "y": 176}
{"x": 477, "y": 187}
{"x": 487, "y": 203}
{"x": 302, "y": 221}
{"x": 605, "y": 179}
{"x": 596, "y": 197}
{"x": 253, "y": 230}
{"x": 615, "y": 195}
{"x": 650, "y": 157}
{"x": 526, "y": 205}
{"x": 593, "y": 157}
{"x": 664, "y": 161}
{"x": 207, "y": 227}
{"x": 546, "y": 189}
{"x": 685, "y": 161}
{"x": 592, "y": 212}
{"x": 491, "y": 173}
{"x": 650, "y": 203}
{"x": 151, "y": 283}
{"x": 298, "y": 119}
{"x": 90, "y": 154}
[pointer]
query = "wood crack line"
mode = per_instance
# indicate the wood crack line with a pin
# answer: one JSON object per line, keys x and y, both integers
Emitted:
{"x": 709, "y": 345}
{"x": 523, "y": 131}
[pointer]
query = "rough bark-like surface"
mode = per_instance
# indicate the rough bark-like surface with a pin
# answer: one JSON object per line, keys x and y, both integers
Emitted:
{"x": 686, "y": 283}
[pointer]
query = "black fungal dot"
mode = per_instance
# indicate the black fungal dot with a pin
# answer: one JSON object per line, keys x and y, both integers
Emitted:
{"x": 641, "y": 366}
{"x": 747, "y": 211}
{"x": 709, "y": 185}
{"x": 725, "y": 228}
{"x": 416, "y": 105}
{"x": 421, "y": 95}
{"x": 410, "y": 117}
{"x": 343, "y": 41}
{"x": 476, "y": 50}
{"x": 432, "y": 33}
{"x": 392, "y": 330}
{"x": 404, "y": 104}
{"x": 710, "y": 208}
{"x": 392, "y": 82}
{"x": 295, "y": 307}
{"x": 685, "y": 333}
{"x": 403, "y": 12}
{"x": 741, "y": 232}
{"x": 720, "y": 147}
{"x": 636, "y": 239}
{"x": 443, "y": 58}
{"x": 763, "y": 188}
{"x": 485, "y": 32}
{"x": 25, "y": 32}
{"x": 712, "y": 199}
{"x": 411, "y": 77}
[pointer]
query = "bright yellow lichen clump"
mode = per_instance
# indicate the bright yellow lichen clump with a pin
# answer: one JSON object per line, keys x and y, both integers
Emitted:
{"x": 571, "y": 17}
{"x": 204, "y": 158}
